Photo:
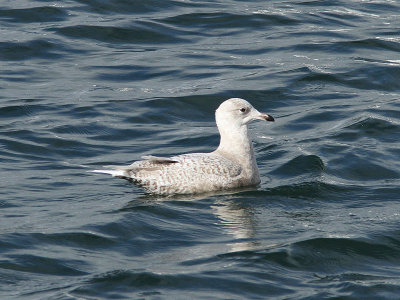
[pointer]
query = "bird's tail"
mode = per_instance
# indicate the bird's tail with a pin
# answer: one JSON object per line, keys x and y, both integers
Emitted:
{"x": 115, "y": 171}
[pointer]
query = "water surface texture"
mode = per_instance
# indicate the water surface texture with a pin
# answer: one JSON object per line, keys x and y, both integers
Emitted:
{"x": 90, "y": 83}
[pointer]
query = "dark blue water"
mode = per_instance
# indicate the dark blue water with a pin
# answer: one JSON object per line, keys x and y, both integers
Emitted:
{"x": 90, "y": 83}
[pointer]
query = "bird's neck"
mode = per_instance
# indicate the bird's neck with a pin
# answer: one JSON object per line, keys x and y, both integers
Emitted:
{"x": 237, "y": 146}
{"x": 235, "y": 141}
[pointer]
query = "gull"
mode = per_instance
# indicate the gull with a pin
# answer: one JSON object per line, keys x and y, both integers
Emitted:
{"x": 231, "y": 165}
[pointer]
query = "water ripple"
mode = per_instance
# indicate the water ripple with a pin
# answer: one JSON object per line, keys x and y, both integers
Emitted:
{"x": 29, "y": 50}
{"x": 42, "y": 265}
{"x": 226, "y": 20}
{"x": 142, "y": 34}
{"x": 123, "y": 6}
{"x": 34, "y": 14}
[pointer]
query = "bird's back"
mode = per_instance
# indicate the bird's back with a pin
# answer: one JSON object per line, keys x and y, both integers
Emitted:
{"x": 186, "y": 174}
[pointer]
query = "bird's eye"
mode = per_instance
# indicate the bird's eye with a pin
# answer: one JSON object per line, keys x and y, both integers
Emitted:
{"x": 243, "y": 109}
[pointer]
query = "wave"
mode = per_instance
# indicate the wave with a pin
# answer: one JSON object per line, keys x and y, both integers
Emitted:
{"x": 146, "y": 33}
{"x": 34, "y": 14}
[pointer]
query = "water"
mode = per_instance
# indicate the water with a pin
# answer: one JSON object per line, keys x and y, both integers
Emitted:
{"x": 91, "y": 83}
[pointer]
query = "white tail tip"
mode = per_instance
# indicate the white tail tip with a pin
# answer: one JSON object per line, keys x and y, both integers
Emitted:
{"x": 114, "y": 173}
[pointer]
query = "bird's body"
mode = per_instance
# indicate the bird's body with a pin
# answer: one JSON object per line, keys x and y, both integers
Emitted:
{"x": 231, "y": 165}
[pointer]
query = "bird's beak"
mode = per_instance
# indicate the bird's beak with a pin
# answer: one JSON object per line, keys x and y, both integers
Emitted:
{"x": 266, "y": 117}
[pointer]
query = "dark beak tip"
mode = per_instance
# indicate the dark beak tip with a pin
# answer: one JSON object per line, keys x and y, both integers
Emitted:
{"x": 269, "y": 118}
